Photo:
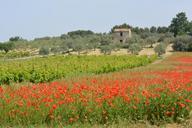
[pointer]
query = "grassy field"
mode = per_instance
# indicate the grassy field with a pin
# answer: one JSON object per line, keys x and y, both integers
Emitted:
{"x": 149, "y": 96}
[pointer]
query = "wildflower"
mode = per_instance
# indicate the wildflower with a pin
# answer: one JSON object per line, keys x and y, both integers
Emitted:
{"x": 188, "y": 100}
{"x": 71, "y": 120}
{"x": 181, "y": 105}
{"x": 54, "y": 106}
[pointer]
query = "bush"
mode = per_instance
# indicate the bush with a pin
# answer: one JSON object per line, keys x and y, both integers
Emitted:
{"x": 183, "y": 43}
{"x": 44, "y": 51}
{"x": 2, "y": 54}
{"x": 17, "y": 54}
{"x": 165, "y": 36}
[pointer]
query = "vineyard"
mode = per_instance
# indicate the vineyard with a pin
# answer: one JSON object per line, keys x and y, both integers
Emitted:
{"x": 157, "y": 93}
{"x": 47, "y": 69}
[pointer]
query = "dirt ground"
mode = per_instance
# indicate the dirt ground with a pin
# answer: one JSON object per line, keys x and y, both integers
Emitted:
{"x": 145, "y": 51}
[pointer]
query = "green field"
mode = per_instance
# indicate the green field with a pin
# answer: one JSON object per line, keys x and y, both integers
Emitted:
{"x": 47, "y": 69}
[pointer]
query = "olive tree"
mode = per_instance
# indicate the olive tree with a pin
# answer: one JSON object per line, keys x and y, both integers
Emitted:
{"x": 44, "y": 51}
{"x": 135, "y": 48}
{"x": 160, "y": 49}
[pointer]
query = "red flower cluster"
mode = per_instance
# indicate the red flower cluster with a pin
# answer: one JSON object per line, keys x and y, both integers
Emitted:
{"x": 132, "y": 88}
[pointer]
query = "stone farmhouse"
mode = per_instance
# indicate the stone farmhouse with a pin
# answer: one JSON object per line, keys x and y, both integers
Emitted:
{"x": 121, "y": 34}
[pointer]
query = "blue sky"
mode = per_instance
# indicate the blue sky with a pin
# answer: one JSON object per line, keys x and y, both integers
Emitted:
{"x": 38, "y": 18}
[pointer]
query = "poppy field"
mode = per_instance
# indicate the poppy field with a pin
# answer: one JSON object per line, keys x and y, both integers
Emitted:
{"x": 156, "y": 93}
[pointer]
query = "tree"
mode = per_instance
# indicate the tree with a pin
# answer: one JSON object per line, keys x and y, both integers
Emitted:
{"x": 153, "y": 29}
{"x": 64, "y": 48}
{"x": 136, "y": 30}
{"x": 146, "y": 30}
{"x": 151, "y": 40}
{"x": 162, "y": 29}
{"x": 160, "y": 49}
{"x": 163, "y": 37}
{"x": 55, "y": 50}
{"x": 135, "y": 48}
{"x": 16, "y": 38}
{"x": 64, "y": 36}
{"x": 6, "y": 46}
{"x": 42, "y": 38}
{"x": 106, "y": 49}
{"x": 120, "y": 26}
{"x": 1, "y": 46}
{"x": 145, "y": 35}
{"x": 44, "y": 51}
{"x": 179, "y": 24}
{"x": 81, "y": 33}
{"x": 190, "y": 28}
{"x": 106, "y": 40}
{"x": 183, "y": 43}
{"x": 78, "y": 45}
{"x": 94, "y": 42}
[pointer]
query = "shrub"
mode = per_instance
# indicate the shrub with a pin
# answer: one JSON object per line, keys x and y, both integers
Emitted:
{"x": 55, "y": 50}
{"x": 183, "y": 43}
{"x": 17, "y": 54}
{"x": 44, "y": 51}
{"x": 165, "y": 36}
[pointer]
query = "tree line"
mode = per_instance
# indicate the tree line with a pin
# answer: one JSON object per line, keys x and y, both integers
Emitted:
{"x": 82, "y": 41}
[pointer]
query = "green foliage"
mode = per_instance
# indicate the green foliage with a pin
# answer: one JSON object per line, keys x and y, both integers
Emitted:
{"x": 145, "y": 35}
{"x": 137, "y": 30}
{"x": 81, "y": 33}
{"x": 134, "y": 44}
{"x": 43, "y": 38}
{"x": 106, "y": 49}
{"x": 83, "y": 41}
{"x": 183, "y": 43}
{"x": 106, "y": 40}
{"x": 6, "y": 46}
{"x": 160, "y": 49}
{"x": 120, "y": 26}
{"x": 165, "y": 36}
{"x": 44, "y": 51}
{"x": 64, "y": 36}
{"x": 17, "y": 54}
{"x": 134, "y": 40}
{"x": 135, "y": 48}
{"x": 56, "y": 50}
{"x": 151, "y": 40}
{"x": 2, "y": 54}
{"x": 179, "y": 24}
{"x": 14, "y": 54}
{"x": 162, "y": 29}
{"x": 190, "y": 28}
{"x": 78, "y": 45}
{"x": 153, "y": 29}
{"x": 39, "y": 70}
{"x": 16, "y": 38}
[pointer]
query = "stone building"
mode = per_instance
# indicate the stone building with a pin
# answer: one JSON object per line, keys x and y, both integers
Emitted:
{"x": 121, "y": 34}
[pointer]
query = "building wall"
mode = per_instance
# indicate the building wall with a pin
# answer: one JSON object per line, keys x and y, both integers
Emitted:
{"x": 121, "y": 36}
